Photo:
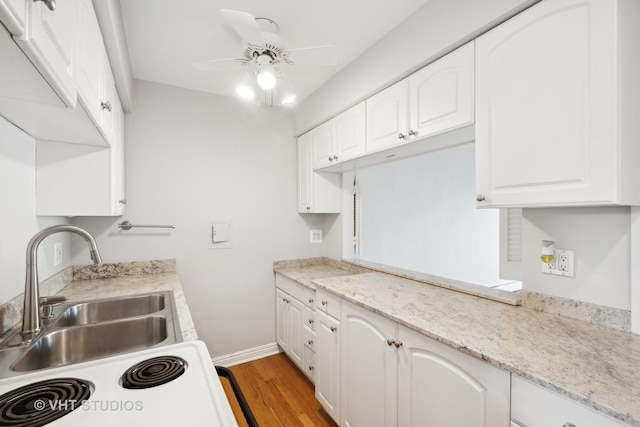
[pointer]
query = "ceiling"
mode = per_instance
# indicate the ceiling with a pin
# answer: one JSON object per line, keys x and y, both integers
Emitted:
{"x": 166, "y": 36}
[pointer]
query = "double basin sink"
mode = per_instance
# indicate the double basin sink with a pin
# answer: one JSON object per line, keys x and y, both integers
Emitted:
{"x": 89, "y": 330}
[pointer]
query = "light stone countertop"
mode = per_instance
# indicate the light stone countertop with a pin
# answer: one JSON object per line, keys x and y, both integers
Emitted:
{"x": 592, "y": 364}
{"x": 135, "y": 284}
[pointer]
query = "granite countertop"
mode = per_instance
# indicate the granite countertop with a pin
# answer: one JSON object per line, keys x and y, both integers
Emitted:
{"x": 592, "y": 364}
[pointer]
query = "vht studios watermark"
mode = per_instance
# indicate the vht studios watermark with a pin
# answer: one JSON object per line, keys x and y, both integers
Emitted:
{"x": 88, "y": 405}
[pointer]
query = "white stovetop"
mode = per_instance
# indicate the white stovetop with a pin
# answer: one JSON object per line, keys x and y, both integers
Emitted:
{"x": 194, "y": 399}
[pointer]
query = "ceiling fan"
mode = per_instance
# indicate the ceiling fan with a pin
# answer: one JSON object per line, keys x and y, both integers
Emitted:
{"x": 264, "y": 55}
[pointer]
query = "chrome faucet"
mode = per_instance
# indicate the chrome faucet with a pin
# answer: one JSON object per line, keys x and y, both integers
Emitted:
{"x": 31, "y": 314}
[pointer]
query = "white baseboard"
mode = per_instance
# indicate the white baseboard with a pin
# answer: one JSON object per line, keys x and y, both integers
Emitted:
{"x": 248, "y": 355}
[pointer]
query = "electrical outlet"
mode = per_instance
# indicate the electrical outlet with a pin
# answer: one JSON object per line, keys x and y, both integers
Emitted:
{"x": 57, "y": 254}
{"x": 563, "y": 264}
{"x": 315, "y": 236}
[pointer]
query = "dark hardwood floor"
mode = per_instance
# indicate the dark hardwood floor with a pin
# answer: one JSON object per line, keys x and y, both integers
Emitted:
{"x": 278, "y": 393}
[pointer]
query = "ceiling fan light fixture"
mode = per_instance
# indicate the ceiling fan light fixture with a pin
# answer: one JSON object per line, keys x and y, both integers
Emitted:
{"x": 266, "y": 77}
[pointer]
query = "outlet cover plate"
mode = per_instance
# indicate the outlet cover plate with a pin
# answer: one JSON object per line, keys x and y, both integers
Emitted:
{"x": 315, "y": 236}
{"x": 564, "y": 265}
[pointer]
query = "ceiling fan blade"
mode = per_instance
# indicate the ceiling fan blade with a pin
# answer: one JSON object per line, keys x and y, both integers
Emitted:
{"x": 218, "y": 64}
{"x": 244, "y": 24}
{"x": 319, "y": 55}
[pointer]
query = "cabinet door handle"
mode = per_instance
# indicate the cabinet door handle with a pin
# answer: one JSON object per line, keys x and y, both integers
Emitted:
{"x": 106, "y": 106}
{"x": 308, "y": 207}
{"x": 398, "y": 344}
{"x": 330, "y": 159}
{"x": 51, "y": 4}
{"x": 311, "y": 321}
{"x": 568, "y": 425}
{"x": 480, "y": 198}
{"x": 412, "y": 133}
{"x": 310, "y": 342}
{"x": 123, "y": 201}
{"x": 390, "y": 342}
{"x": 335, "y": 157}
{"x": 324, "y": 302}
{"x": 310, "y": 368}
{"x": 310, "y": 300}
{"x": 333, "y": 329}
{"x": 286, "y": 300}
{"x": 401, "y": 136}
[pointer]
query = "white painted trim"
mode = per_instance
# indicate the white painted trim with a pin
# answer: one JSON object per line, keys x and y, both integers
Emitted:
{"x": 247, "y": 355}
{"x": 635, "y": 269}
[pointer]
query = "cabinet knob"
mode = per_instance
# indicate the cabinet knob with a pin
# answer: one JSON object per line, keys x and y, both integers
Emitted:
{"x": 310, "y": 368}
{"x": 122, "y": 201}
{"x": 310, "y": 342}
{"x": 330, "y": 159}
{"x": 310, "y": 300}
{"x": 311, "y": 321}
{"x": 480, "y": 198}
{"x": 324, "y": 302}
{"x": 568, "y": 425}
{"x": 398, "y": 344}
{"x": 51, "y": 4}
{"x": 412, "y": 132}
{"x": 401, "y": 136}
{"x": 335, "y": 157}
{"x": 390, "y": 342}
{"x": 308, "y": 207}
{"x": 285, "y": 300}
{"x": 106, "y": 106}
{"x": 333, "y": 329}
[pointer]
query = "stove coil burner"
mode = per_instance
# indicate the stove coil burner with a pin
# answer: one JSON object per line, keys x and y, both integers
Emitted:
{"x": 153, "y": 372}
{"x": 40, "y": 403}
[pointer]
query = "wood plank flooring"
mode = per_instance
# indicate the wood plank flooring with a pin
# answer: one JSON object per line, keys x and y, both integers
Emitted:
{"x": 278, "y": 393}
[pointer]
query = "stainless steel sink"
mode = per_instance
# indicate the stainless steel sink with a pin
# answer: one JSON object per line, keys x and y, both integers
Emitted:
{"x": 81, "y": 344}
{"x": 112, "y": 309}
{"x": 87, "y": 330}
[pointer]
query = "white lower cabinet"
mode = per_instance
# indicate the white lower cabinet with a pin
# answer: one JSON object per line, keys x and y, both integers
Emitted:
{"x": 535, "y": 406}
{"x": 393, "y": 376}
{"x": 327, "y": 364}
{"x": 289, "y": 314}
{"x": 440, "y": 386}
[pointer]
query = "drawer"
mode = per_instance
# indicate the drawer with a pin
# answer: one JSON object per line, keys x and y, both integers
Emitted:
{"x": 309, "y": 360}
{"x": 309, "y": 318}
{"x": 309, "y": 338}
{"x": 295, "y": 289}
{"x": 328, "y": 303}
{"x": 535, "y": 406}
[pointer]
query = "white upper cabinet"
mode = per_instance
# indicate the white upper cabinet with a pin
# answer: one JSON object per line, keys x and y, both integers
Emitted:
{"x": 350, "y": 133}
{"x": 13, "y": 14}
{"x": 49, "y": 43}
{"x": 387, "y": 117}
{"x": 318, "y": 192}
{"x": 441, "y": 94}
{"x": 323, "y": 143}
{"x": 341, "y": 138}
{"x": 556, "y": 88}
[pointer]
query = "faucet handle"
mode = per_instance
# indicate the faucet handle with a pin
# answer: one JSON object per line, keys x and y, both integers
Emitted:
{"x": 47, "y": 304}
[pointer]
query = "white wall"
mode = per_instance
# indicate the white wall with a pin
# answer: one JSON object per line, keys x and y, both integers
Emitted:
{"x": 601, "y": 240}
{"x": 433, "y": 30}
{"x": 18, "y": 213}
{"x": 191, "y": 156}
{"x": 419, "y": 214}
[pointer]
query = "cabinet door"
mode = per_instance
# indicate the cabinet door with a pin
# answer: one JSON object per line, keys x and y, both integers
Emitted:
{"x": 324, "y": 144}
{"x": 49, "y": 43}
{"x": 441, "y": 94}
{"x": 387, "y": 117}
{"x": 13, "y": 14}
{"x": 118, "y": 194}
{"x": 440, "y": 386}
{"x": 327, "y": 368}
{"x": 369, "y": 369}
{"x": 305, "y": 174}
{"x": 108, "y": 100}
{"x": 350, "y": 131}
{"x": 282, "y": 319}
{"x": 309, "y": 363}
{"x": 546, "y": 88}
{"x": 296, "y": 343}
{"x": 89, "y": 68}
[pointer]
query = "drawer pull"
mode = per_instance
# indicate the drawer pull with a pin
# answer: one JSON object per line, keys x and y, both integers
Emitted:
{"x": 311, "y": 321}
{"x": 310, "y": 300}
{"x": 310, "y": 342}
{"x": 324, "y": 302}
{"x": 333, "y": 329}
{"x": 568, "y": 425}
{"x": 51, "y": 4}
{"x": 310, "y": 368}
